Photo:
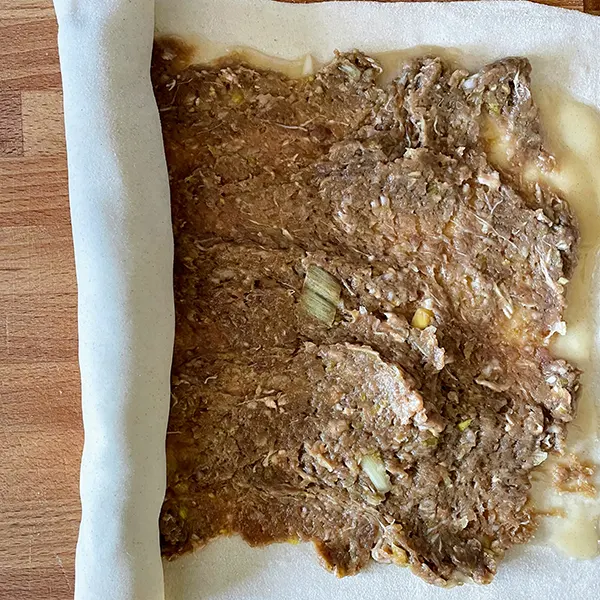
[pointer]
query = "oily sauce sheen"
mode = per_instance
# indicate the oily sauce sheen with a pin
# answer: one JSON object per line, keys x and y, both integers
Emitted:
{"x": 406, "y": 428}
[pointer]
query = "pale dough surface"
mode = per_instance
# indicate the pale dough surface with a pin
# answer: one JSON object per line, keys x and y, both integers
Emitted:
{"x": 123, "y": 246}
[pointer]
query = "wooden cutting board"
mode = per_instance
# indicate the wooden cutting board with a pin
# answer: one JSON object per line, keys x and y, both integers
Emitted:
{"x": 40, "y": 417}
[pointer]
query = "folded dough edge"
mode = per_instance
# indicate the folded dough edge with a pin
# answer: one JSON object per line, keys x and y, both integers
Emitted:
{"x": 120, "y": 211}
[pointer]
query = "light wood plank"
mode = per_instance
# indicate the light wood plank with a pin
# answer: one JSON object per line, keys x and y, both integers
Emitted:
{"x": 22, "y": 10}
{"x": 42, "y": 121}
{"x": 29, "y": 55}
{"x": 11, "y": 130}
{"x": 40, "y": 416}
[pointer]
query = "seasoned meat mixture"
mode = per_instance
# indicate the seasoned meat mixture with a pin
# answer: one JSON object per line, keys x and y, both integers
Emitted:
{"x": 364, "y": 305}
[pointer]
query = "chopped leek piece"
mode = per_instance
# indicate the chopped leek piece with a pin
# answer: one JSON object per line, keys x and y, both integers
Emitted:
{"x": 237, "y": 96}
{"x": 320, "y": 294}
{"x": 351, "y": 70}
{"x": 422, "y": 318}
{"x": 322, "y": 283}
{"x": 317, "y": 306}
{"x": 373, "y": 466}
{"x": 464, "y": 424}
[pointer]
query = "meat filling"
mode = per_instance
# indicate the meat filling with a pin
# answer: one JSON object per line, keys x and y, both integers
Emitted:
{"x": 364, "y": 303}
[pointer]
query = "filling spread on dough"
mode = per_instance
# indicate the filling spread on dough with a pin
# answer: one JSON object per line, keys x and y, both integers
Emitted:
{"x": 364, "y": 304}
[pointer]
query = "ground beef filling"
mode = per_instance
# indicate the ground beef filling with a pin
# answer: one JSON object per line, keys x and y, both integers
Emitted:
{"x": 403, "y": 425}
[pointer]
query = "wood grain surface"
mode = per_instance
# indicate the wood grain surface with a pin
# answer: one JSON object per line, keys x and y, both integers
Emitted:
{"x": 40, "y": 418}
